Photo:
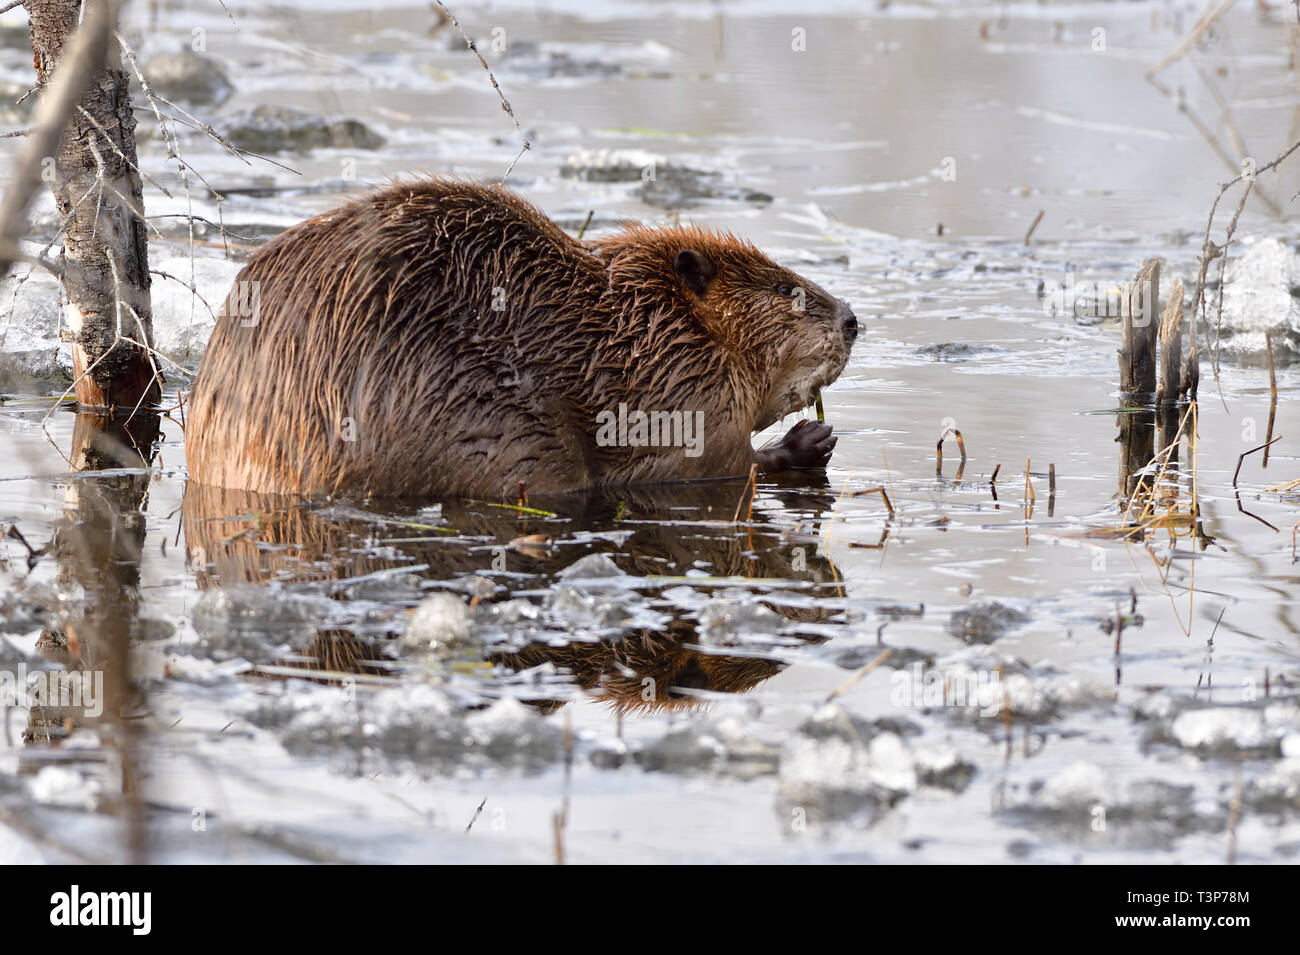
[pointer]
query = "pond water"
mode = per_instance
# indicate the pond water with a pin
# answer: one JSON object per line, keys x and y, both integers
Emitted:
{"x": 685, "y": 673}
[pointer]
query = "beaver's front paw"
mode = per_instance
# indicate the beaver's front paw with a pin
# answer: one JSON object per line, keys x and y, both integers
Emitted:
{"x": 806, "y": 445}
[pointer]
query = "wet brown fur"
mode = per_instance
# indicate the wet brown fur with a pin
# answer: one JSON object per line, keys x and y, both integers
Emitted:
{"x": 376, "y": 320}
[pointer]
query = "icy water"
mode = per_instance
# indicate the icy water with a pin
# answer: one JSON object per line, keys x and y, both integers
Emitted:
{"x": 681, "y": 674}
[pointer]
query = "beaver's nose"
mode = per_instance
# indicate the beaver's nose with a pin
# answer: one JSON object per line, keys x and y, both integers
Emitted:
{"x": 848, "y": 322}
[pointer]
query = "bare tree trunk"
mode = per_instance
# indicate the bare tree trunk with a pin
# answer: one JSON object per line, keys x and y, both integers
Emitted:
{"x": 96, "y": 186}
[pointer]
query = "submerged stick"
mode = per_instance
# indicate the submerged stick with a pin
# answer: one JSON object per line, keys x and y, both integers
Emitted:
{"x": 1234, "y": 815}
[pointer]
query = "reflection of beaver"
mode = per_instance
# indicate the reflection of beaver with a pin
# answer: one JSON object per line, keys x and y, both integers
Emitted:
{"x": 239, "y": 537}
{"x": 447, "y": 338}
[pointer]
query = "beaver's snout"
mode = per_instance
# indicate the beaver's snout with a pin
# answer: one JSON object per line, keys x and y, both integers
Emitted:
{"x": 848, "y": 322}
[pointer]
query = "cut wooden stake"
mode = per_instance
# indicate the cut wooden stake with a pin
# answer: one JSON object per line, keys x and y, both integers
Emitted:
{"x": 1171, "y": 347}
{"x": 1137, "y": 356}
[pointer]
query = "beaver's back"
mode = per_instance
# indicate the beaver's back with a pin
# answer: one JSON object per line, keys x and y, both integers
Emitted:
{"x": 387, "y": 346}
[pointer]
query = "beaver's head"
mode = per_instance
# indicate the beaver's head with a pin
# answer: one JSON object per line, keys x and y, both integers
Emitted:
{"x": 795, "y": 333}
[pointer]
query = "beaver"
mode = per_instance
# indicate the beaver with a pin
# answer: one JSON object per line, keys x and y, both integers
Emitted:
{"x": 445, "y": 338}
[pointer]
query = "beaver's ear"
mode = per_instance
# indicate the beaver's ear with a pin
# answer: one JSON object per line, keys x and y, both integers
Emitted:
{"x": 694, "y": 270}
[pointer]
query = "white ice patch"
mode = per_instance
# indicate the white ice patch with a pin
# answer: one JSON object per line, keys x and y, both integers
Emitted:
{"x": 31, "y": 314}
{"x": 1257, "y": 295}
{"x": 65, "y": 787}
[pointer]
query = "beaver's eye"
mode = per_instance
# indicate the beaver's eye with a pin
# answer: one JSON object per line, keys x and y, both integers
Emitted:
{"x": 785, "y": 291}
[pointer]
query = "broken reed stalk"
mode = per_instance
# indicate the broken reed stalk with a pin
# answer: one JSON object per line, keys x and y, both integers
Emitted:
{"x": 752, "y": 482}
{"x": 1272, "y": 371}
{"x": 1006, "y": 705}
{"x": 1242, "y": 457}
{"x": 877, "y": 490}
{"x": 1234, "y": 815}
{"x": 1272, "y": 393}
{"x": 557, "y": 828}
{"x": 862, "y": 671}
{"x": 474, "y": 818}
{"x": 1204, "y": 23}
{"x": 1137, "y": 356}
{"x": 938, "y": 453}
{"x": 1037, "y": 219}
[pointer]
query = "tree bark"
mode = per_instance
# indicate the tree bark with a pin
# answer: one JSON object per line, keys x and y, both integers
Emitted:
{"x": 96, "y": 186}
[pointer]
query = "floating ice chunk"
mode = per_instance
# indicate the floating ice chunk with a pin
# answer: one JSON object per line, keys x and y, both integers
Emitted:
{"x": 249, "y": 622}
{"x": 838, "y": 766}
{"x": 1277, "y": 788}
{"x": 729, "y": 623}
{"x": 724, "y": 745}
{"x": 1223, "y": 730}
{"x": 984, "y": 623}
{"x": 440, "y": 621}
{"x": 592, "y": 567}
{"x": 1080, "y": 784}
{"x": 418, "y": 724}
{"x": 65, "y": 787}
